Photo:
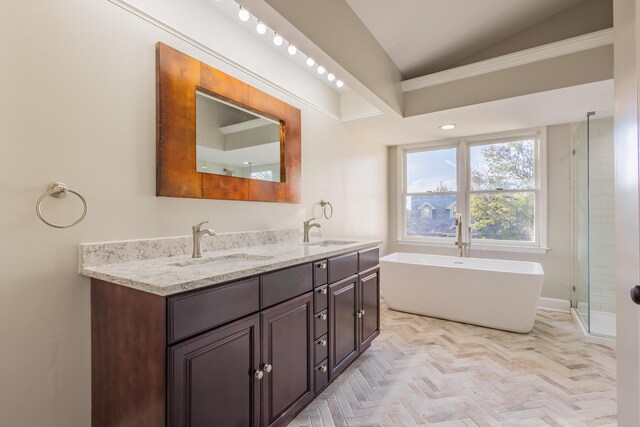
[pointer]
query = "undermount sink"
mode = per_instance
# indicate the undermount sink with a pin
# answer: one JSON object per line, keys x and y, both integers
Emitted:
{"x": 221, "y": 260}
{"x": 331, "y": 243}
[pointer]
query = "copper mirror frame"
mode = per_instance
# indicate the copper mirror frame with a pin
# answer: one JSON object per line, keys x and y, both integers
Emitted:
{"x": 178, "y": 77}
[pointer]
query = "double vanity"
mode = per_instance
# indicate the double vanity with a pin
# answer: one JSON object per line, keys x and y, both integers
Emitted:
{"x": 247, "y": 335}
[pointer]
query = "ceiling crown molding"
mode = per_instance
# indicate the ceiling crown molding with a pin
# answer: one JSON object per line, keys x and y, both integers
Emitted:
{"x": 523, "y": 57}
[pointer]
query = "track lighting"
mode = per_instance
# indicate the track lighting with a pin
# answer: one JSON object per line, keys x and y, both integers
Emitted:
{"x": 244, "y": 14}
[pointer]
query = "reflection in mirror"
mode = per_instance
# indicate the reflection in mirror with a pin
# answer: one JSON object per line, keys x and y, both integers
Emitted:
{"x": 234, "y": 141}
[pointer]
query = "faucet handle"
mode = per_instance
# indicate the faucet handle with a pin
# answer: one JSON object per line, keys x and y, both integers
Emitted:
{"x": 198, "y": 226}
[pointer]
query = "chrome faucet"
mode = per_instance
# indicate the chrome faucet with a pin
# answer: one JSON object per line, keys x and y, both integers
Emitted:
{"x": 307, "y": 226}
{"x": 463, "y": 247}
{"x": 459, "y": 232}
{"x": 198, "y": 232}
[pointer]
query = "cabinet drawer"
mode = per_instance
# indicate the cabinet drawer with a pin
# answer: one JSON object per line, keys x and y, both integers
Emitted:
{"x": 368, "y": 259}
{"x": 342, "y": 266}
{"x": 320, "y": 272}
{"x": 320, "y": 349}
{"x": 320, "y": 298}
{"x": 322, "y": 375}
{"x": 285, "y": 284}
{"x": 199, "y": 311}
{"x": 320, "y": 322}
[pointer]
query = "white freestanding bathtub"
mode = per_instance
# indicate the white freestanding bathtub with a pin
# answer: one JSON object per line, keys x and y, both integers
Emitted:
{"x": 487, "y": 292}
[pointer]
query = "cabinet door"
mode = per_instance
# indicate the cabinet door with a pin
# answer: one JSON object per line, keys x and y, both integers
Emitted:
{"x": 369, "y": 307}
{"x": 343, "y": 324}
{"x": 287, "y": 347}
{"x": 212, "y": 377}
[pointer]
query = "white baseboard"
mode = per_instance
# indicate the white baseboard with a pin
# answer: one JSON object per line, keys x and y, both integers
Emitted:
{"x": 554, "y": 304}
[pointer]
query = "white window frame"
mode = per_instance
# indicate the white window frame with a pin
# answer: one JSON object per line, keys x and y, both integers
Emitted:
{"x": 539, "y": 245}
{"x": 403, "y": 185}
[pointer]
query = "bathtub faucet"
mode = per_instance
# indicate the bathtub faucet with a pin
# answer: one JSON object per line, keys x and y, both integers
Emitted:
{"x": 463, "y": 247}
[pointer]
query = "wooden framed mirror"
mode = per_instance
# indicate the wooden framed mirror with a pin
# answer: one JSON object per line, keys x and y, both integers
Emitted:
{"x": 220, "y": 138}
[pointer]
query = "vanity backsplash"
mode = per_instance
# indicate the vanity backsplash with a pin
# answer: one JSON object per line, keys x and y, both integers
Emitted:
{"x": 117, "y": 252}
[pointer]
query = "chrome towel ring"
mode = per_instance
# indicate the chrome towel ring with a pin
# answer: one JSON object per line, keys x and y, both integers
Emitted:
{"x": 59, "y": 190}
{"x": 324, "y": 205}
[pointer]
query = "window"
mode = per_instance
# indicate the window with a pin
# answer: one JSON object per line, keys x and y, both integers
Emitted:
{"x": 497, "y": 184}
{"x": 431, "y": 182}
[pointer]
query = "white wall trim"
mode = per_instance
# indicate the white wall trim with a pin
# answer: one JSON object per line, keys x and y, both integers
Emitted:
{"x": 554, "y": 304}
{"x": 523, "y": 57}
{"x": 360, "y": 116}
{"x": 197, "y": 44}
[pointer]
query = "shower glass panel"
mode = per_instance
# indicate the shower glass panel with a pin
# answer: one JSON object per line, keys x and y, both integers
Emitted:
{"x": 581, "y": 222}
{"x": 593, "y": 224}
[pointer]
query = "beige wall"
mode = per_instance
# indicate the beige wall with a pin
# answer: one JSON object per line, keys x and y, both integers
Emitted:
{"x": 557, "y": 261}
{"x": 574, "y": 69}
{"x": 78, "y": 106}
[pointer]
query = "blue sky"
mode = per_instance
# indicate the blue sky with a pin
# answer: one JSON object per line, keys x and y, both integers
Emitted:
{"x": 427, "y": 169}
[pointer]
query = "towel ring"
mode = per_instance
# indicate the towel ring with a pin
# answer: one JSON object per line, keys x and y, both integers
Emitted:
{"x": 60, "y": 190}
{"x": 324, "y": 205}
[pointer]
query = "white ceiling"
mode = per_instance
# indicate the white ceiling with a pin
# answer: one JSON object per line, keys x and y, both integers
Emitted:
{"x": 425, "y": 36}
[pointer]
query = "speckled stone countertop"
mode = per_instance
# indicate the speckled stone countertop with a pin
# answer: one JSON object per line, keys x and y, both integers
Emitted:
{"x": 132, "y": 263}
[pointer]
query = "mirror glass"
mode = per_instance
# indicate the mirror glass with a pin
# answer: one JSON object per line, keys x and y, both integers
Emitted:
{"x": 233, "y": 141}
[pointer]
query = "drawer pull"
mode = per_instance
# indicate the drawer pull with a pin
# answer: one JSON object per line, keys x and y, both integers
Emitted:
{"x": 323, "y": 343}
{"x": 322, "y": 316}
{"x": 362, "y": 311}
{"x": 267, "y": 368}
{"x": 259, "y": 374}
{"x": 322, "y": 291}
{"x": 323, "y": 368}
{"x": 322, "y": 265}
{"x": 359, "y": 315}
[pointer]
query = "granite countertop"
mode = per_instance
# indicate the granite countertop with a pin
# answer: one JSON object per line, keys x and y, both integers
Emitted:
{"x": 173, "y": 274}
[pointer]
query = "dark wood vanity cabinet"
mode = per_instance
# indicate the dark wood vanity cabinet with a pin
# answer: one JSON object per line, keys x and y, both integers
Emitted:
{"x": 231, "y": 375}
{"x": 354, "y": 308}
{"x": 211, "y": 377}
{"x": 343, "y": 324}
{"x": 369, "y": 307}
{"x": 253, "y": 352}
{"x": 287, "y": 353}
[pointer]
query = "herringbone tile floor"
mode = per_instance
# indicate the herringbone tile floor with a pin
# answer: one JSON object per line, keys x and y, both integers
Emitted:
{"x": 423, "y": 371}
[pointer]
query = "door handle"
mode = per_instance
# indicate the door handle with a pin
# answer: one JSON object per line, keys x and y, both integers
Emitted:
{"x": 635, "y": 294}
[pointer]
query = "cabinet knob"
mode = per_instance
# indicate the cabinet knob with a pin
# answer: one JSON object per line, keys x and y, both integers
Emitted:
{"x": 323, "y": 368}
{"x": 323, "y": 343}
{"x": 322, "y": 316}
{"x": 323, "y": 291}
{"x": 267, "y": 368}
{"x": 362, "y": 311}
{"x": 359, "y": 314}
{"x": 322, "y": 265}
{"x": 259, "y": 374}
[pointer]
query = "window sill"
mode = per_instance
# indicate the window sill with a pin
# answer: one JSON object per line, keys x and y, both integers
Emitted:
{"x": 482, "y": 247}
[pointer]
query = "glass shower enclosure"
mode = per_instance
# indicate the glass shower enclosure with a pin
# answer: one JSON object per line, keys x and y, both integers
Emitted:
{"x": 593, "y": 246}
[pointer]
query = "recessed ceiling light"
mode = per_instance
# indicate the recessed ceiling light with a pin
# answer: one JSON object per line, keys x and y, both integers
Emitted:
{"x": 331, "y": 77}
{"x": 278, "y": 40}
{"x": 261, "y": 28}
{"x": 339, "y": 83}
{"x": 448, "y": 126}
{"x": 321, "y": 69}
{"x": 246, "y": 163}
{"x": 292, "y": 49}
{"x": 310, "y": 62}
{"x": 244, "y": 15}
